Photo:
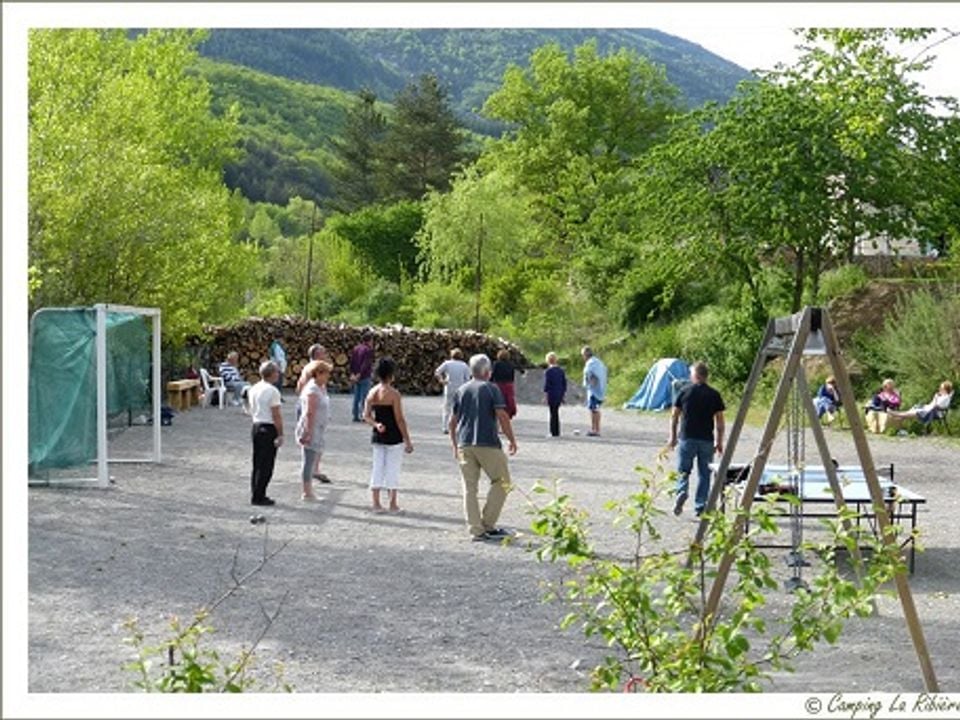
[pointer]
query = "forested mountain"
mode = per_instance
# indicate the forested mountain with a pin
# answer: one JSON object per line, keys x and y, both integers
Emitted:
{"x": 287, "y": 131}
{"x": 470, "y": 61}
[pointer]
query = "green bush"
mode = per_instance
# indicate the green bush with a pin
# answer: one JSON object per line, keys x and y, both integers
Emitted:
{"x": 648, "y": 605}
{"x": 436, "y": 304}
{"x": 844, "y": 280}
{"x": 726, "y": 339}
{"x": 921, "y": 344}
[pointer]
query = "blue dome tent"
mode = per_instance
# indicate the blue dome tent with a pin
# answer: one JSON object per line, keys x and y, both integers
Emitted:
{"x": 656, "y": 392}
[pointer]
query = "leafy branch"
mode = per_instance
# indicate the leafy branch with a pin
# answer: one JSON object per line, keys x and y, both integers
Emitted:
{"x": 650, "y": 608}
{"x": 201, "y": 669}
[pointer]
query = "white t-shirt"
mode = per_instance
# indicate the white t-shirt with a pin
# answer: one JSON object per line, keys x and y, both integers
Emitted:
{"x": 457, "y": 372}
{"x": 262, "y": 397}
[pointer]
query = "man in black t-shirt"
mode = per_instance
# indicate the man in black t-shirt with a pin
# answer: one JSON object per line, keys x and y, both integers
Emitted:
{"x": 701, "y": 408}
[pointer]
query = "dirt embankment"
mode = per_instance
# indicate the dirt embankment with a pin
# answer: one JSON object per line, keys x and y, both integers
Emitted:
{"x": 868, "y": 308}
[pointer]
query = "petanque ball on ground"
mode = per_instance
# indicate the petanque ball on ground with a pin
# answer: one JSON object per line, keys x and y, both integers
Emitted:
{"x": 257, "y": 519}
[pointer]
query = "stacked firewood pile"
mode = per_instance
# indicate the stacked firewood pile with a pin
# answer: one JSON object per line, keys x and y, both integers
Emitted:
{"x": 416, "y": 352}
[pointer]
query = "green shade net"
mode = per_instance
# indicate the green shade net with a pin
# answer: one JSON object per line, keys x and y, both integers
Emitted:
{"x": 63, "y": 381}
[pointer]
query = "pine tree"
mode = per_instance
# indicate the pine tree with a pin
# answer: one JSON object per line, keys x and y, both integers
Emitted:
{"x": 355, "y": 180}
{"x": 424, "y": 144}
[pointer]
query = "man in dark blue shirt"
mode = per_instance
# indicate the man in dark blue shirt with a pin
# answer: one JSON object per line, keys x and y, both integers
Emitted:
{"x": 700, "y": 408}
{"x": 478, "y": 408}
{"x": 554, "y": 389}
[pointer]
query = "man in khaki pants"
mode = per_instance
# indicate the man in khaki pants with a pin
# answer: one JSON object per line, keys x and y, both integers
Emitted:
{"x": 477, "y": 408}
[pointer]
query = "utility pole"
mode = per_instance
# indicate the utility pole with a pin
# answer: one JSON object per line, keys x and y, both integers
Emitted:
{"x": 476, "y": 317}
{"x": 313, "y": 230}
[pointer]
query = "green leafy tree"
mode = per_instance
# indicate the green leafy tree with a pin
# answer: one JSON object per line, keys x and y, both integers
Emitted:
{"x": 648, "y": 605}
{"x": 577, "y": 124}
{"x": 384, "y": 236}
{"x": 356, "y": 177}
{"x": 424, "y": 143}
{"x": 792, "y": 171}
{"x": 482, "y": 212}
{"x": 126, "y": 199}
{"x": 893, "y": 147}
{"x": 263, "y": 229}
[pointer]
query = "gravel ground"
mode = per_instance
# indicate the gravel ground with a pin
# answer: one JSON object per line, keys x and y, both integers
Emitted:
{"x": 383, "y": 603}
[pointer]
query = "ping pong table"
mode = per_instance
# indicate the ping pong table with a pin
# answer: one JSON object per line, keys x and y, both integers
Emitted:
{"x": 813, "y": 488}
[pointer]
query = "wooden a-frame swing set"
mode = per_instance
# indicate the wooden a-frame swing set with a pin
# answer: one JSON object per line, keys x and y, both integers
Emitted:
{"x": 804, "y": 333}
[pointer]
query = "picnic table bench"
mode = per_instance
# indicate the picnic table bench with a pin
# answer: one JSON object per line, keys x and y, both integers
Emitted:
{"x": 182, "y": 394}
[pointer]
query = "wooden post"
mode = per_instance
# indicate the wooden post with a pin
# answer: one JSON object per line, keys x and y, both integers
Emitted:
{"x": 720, "y": 478}
{"x": 756, "y": 469}
{"x": 876, "y": 496}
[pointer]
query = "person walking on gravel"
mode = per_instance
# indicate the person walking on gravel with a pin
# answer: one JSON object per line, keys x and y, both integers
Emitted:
{"x": 452, "y": 373}
{"x": 700, "y": 408}
{"x": 478, "y": 408}
{"x": 361, "y": 370}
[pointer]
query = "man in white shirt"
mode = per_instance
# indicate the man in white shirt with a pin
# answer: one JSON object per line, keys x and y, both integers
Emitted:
{"x": 263, "y": 404}
{"x": 452, "y": 373}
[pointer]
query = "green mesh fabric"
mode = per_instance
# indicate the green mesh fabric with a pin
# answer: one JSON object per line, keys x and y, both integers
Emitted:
{"x": 63, "y": 381}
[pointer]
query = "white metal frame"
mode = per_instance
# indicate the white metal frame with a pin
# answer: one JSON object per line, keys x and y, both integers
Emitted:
{"x": 102, "y": 479}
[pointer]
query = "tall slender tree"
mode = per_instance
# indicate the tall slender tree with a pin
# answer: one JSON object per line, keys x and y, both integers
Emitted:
{"x": 424, "y": 143}
{"x": 355, "y": 180}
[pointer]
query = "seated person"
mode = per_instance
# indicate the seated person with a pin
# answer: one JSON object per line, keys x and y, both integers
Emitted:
{"x": 936, "y": 408}
{"x": 828, "y": 399}
{"x": 886, "y": 399}
{"x": 232, "y": 380}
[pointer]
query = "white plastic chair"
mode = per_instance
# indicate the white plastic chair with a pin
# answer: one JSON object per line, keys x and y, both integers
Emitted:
{"x": 211, "y": 383}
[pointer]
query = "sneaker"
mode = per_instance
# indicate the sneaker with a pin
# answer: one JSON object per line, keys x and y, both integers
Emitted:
{"x": 483, "y": 537}
{"x": 320, "y": 477}
{"x": 593, "y": 434}
{"x": 678, "y": 505}
{"x": 264, "y": 501}
{"x": 498, "y": 532}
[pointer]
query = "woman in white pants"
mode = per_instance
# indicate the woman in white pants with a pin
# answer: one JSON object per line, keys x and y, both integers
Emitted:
{"x": 383, "y": 410}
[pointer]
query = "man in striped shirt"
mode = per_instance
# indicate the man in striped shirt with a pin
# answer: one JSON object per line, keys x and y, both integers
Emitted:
{"x": 232, "y": 380}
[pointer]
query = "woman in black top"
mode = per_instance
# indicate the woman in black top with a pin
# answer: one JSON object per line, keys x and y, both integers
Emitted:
{"x": 383, "y": 411}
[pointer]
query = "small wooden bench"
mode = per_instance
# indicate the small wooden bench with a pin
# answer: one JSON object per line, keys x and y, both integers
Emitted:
{"x": 182, "y": 394}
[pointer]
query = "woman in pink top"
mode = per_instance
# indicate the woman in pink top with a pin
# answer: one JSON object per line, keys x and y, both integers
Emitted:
{"x": 887, "y": 399}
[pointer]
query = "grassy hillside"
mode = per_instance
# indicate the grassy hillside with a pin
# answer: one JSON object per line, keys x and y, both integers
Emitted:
{"x": 287, "y": 129}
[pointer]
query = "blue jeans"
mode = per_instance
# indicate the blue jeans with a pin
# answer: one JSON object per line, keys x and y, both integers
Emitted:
{"x": 360, "y": 390}
{"x": 702, "y": 450}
